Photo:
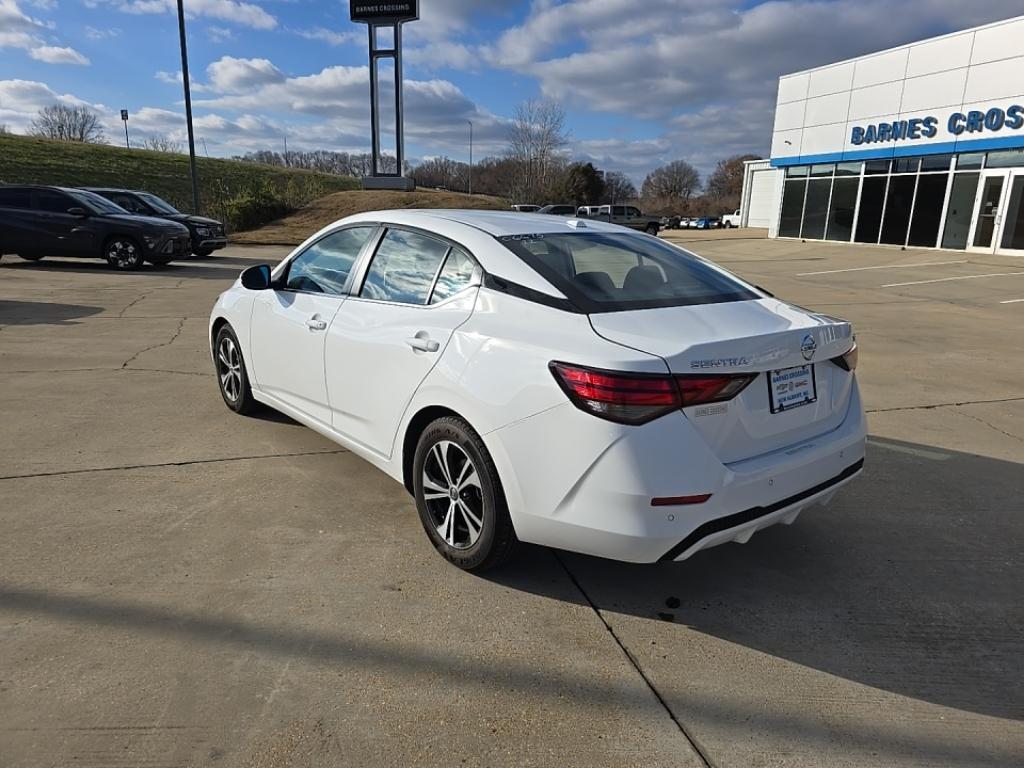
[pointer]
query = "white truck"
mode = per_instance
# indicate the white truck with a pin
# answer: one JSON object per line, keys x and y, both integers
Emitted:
{"x": 731, "y": 219}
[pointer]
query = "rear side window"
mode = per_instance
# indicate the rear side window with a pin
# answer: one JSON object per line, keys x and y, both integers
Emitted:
{"x": 129, "y": 203}
{"x": 404, "y": 268}
{"x": 324, "y": 267}
{"x": 456, "y": 274}
{"x": 606, "y": 272}
{"x": 53, "y": 202}
{"x": 14, "y": 198}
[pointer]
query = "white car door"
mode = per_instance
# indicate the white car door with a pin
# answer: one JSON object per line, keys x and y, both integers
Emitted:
{"x": 289, "y": 324}
{"x": 385, "y": 340}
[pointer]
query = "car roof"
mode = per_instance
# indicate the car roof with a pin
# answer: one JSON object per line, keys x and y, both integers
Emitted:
{"x": 495, "y": 223}
{"x": 109, "y": 189}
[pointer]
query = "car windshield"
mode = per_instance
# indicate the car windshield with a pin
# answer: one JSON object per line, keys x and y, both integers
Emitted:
{"x": 96, "y": 203}
{"x": 158, "y": 204}
{"x": 610, "y": 272}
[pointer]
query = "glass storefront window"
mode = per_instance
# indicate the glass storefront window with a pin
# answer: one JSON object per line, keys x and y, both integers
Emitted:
{"x": 959, "y": 210}
{"x": 796, "y": 170}
{"x": 906, "y": 164}
{"x": 816, "y": 209}
{"x": 841, "y": 209}
{"x": 1013, "y": 228}
{"x": 848, "y": 169}
{"x": 971, "y": 160}
{"x": 897, "y": 210}
{"x": 924, "y": 227}
{"x": 792, "y": 208}
{"x": 822, "y": 170}
{"x": 1009, "y": 158}
{"x": 872, "y": 198}
{"x": 935, "y": 163}
{"x": 876, "y": 166}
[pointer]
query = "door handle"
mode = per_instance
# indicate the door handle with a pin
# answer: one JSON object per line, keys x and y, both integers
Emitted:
{"x": 316, "y": 324}
{"x": 423, "y": 345}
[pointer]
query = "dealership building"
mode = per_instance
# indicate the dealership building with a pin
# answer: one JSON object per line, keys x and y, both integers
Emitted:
{"x": 919, "y": 146}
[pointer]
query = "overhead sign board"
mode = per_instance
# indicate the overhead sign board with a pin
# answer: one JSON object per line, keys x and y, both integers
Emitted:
{"x": 383, "y": 11}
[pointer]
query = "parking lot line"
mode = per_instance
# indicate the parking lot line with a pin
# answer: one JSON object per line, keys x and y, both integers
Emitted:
{"x": 1011, "y": 301}
{"x": 881, "y": 266}
{"x": 947, "y": 279}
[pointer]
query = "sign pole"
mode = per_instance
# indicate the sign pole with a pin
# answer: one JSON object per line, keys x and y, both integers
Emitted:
{"x": 124, "y": 117}
{"x": 188, "y": 108}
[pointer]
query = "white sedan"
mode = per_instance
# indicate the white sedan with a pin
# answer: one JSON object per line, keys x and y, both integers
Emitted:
{"x": 559, "y": 381}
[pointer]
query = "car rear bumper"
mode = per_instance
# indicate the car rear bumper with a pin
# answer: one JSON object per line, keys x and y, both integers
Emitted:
{"x": 579, "y": 483}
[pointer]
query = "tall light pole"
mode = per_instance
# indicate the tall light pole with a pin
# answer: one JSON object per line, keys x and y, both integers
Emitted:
{"x": 470, "y": 156}
{"x": 188, "y": 108}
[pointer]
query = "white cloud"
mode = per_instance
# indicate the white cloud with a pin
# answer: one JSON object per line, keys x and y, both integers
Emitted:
{"x": 21, "y": 100}
{"x": 19, "y": 30}
{"x": 234, "y": 11}
{"x": 93, "y": 33}
{"x": 220, "y": 34}
{"x": 229, "y": 74}
{"x": 329, "y": 36}
{"x": 52, "y": 54}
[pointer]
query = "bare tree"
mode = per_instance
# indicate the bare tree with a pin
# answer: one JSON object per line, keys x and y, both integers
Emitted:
{"x": 726, "y": 181}
{"x": 160, "y": 143}
{"x": 676, "y": 182}
{"x": 442, "y": 172}
{"x": 5, "y": 129}
{"x": 536, "y": 138}
{"x": 617, "y": 188}
{"x": 59, "y": 121}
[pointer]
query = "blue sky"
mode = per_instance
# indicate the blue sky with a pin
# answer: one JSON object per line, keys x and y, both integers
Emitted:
{"x": 642, "y": 83}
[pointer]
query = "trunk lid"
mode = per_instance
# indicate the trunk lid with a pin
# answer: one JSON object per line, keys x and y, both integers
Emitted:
{"x": 759, "y": 337}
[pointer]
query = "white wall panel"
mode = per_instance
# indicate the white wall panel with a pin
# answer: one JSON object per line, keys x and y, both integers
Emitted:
{"x": 930, "y": 92}
{"x": 789, "y": 115}
{"x": 822, "y": 139}
{"x": 938, "y": 55}
{"x": 880, "y": 68}
{"x": 876, "y": 100}
{"x": 999, "y": 42}
{"x": 996, "y": 80}
{"x": 779, "y": 146}
{"x": 792, "y": 88}
{"x": 827, "y": 109}
{"x": 830, "y": 80}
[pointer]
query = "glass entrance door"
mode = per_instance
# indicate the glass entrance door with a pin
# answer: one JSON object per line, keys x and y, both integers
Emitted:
{"x": 1010, "y": 224}
{"x": 986, "y": 212}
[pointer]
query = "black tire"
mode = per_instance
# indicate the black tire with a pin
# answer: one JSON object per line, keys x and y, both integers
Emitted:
{"x": 202, "y": 253}
{"x": 232, "y": 376}
{"x": 449, "y": 519}
{"x": 123, "y": 253}
{"x": 652, "y": 229}
{"x": 31, "y": 256}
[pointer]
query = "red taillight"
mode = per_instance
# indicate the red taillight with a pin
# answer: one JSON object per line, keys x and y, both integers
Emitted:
{"x": 636, "y": 398}
{"x": 712, "y": 389}
{"x": 848, "y": 361}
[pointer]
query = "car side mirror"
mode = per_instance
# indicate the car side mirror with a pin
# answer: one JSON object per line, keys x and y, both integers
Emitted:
{"x": 78, "y": 211}
{"x": 256, "y": 278}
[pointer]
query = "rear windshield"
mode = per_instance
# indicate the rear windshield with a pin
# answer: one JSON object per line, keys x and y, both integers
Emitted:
{"x": 609, "y": 272}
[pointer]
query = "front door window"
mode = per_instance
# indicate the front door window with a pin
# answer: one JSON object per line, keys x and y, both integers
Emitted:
{"x": 988, "y": 209}
{"x": 1012, "y": 238}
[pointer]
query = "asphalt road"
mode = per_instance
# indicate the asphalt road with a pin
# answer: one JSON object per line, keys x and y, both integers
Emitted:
{"x": 180, "y": 586}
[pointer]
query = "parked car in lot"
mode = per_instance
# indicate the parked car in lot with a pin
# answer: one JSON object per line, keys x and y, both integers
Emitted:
{"x": 558, "y": 210}
{"x": 708, "y": 222}
{"x": 629, "y": 216}
{"x": 525, "y": 208}
{"x": 588, "y": 210}
{"x": 208, "y": 235}
{"x": 731, "y": 220}
{"x": 38, "y": 221}
{"x": 565, "y": 383}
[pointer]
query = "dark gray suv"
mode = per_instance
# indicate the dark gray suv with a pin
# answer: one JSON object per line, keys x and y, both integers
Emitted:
{"x": 55, "y": 221}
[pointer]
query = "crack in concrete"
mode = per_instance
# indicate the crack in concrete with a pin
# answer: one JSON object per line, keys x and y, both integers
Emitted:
{"x": 133, "y": 302}
{"x": 635, "y": 663}
{"x": 944, "y": 405}
{"x": 109, "y": 369}
{"x": 186, "y": 463}
{"x": 177, "y": 333}
{"x": 990, "y": 424}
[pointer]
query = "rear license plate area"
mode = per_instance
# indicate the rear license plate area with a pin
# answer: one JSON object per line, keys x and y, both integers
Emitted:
{"x": 789, "y": 388}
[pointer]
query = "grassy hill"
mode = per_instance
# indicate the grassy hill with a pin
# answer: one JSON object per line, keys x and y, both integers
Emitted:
{"x": 244, "y": 195}
{"x": 296, "y": 227}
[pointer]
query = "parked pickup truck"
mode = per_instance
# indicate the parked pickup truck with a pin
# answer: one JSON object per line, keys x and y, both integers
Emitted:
{"x": 628, "y": 216}
{"x": 731, "y": 219}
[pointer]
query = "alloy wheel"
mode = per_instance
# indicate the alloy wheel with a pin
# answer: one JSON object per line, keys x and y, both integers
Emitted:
{"x": 453, "y": 494}
{"x": 122, "y": 254}
{"x": 229, "y": 368}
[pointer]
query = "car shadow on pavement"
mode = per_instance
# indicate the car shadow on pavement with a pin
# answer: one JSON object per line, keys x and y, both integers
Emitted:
{"x": 909, "y": 582}
{"x": 175, "y": 270}
{"x": 43, "y": 312}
